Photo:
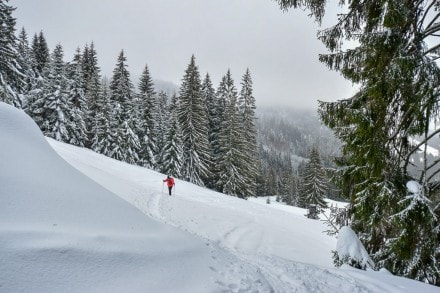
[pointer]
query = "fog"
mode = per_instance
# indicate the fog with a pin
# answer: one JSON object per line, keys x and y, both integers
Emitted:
{"x": 280, "y": 48}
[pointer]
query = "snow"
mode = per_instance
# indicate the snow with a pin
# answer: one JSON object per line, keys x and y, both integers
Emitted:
{"x": 349, "y": 245}
{"x": 106, "y": 226}
{"x": 414, "y": 187}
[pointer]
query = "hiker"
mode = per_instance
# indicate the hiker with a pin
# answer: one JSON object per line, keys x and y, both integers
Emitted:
{"x": 170, "y": 183}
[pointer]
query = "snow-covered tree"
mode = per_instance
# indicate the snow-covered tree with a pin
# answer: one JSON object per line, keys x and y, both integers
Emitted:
{"x": 210, "y": 100}
{"x": 246, "y": 106}
{"x": 77, "y": 129}
{"x": 126, "y": 146}
{"x": 172, "y": 151}
{"x": 192, "y": 116}
{"x": 314, "y": 182}
{"x": 11, "y": 74}
{"x": 232, "y": 153}
{"x": 92, "y": 89}
{"x": 56, "y": 102}
{"x": 147, "y": 104}
{"x": 41, "y": 52}
{"x": 104, "y": 123}
{"x": 26, "y": 61}
{"x": 349, "y": 250}
{"x": 162, "y": 118}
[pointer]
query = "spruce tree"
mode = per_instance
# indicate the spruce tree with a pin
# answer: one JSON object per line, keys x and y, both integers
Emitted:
{"x": 217, "y": 116}
{"x": 92, "y": 89}
{"x": 314, "y": 182}
{"x": 11, "y": 74}
{"x": 232, "y": 152}
{"x": 172, "y": 151}
{"x": 41, "y": 53}
{"x": 56, "y": 102}
{"x": 77, "y": 129}
{"x": 210, "y": 100}
{"x": 162, "y": 118}
{"x": 394, "y": 62}
{"x": 25, "y": 60}
{"x": 147, "y": 110}
{"x": 192, "y": 117}
{"x": 103, "y": 135}
{"x": 126, "y": 145}
{"x": 246, "y": 105}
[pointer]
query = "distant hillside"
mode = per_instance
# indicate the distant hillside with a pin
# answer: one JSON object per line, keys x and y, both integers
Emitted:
{"x": 295, "y": 132}
{"x": 285, "y": 139}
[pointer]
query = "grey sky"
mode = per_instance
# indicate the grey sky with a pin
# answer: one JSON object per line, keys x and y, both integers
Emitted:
{"x": 280, "y": 48}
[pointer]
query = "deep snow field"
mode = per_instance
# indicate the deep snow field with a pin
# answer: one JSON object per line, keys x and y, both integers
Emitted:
{"x": 72, "y": 220}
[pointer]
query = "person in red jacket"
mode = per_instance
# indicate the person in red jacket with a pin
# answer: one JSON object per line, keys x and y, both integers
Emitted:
{"x": 170, "y": 183}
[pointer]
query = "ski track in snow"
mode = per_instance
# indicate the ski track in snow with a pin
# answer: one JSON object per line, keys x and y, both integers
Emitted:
{"x": 250, "y": 264}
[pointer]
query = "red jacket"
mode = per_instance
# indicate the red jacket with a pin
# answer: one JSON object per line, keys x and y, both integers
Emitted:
{"x": 169, "y": 181}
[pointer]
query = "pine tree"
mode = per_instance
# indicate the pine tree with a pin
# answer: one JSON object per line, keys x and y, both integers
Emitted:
{"x": 126, "y": 145}
{"x": 231, "y": 159}
{"x": 172, "y": 151}
{"x": 314, "y": 182}
{"x": 11, "y": 74}
{"x": 192, "y": 117}
{"x": 147, "y": 102}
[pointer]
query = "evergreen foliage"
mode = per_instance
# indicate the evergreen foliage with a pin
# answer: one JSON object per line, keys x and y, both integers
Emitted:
{"x": 246, "y": 107}
{"x": 11, "y": 74}
{"x": 210, "y": 99}
{"x": 162, "y": 119}
{"x": 394, "y": 62}
{"x": 172, "y": 151}
{"x": 92, "y": 90}
{"x": 147, "y": 104}
{"x": 26, "y": 63}
{"x": 41, "y": 52}
{"x": 193, "y": 118}
{"x": 104, "y": 123}
{"x": 314, "y": 182}
{"x": 231, "y": 158}
{"x": 78, "y": 130}
{"x": 126, "y": 145}
{"x": 56, "y": 102}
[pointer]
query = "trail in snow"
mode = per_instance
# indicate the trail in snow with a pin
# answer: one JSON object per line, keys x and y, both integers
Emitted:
{"x": 274, "y": 250}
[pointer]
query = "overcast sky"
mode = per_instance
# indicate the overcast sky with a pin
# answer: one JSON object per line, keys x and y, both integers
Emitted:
{"x": 280, "y": 48}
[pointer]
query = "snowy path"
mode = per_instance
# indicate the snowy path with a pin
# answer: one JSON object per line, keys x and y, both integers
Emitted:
{"x": 272, "y": 250}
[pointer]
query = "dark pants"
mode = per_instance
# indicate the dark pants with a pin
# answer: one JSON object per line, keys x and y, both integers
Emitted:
{"x": 169, "y": 189}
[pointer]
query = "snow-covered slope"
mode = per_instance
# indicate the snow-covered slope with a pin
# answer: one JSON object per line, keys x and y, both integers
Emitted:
{"x": 61, "y": 231}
